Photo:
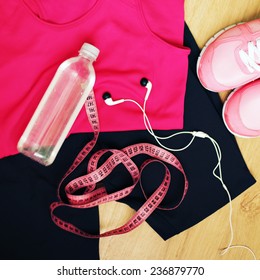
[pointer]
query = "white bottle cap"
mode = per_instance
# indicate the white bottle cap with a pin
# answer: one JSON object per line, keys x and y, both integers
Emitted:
{"x": 89, "y": 50}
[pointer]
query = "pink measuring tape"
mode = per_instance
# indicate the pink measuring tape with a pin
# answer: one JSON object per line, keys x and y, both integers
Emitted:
{"x": 93, "y": 195}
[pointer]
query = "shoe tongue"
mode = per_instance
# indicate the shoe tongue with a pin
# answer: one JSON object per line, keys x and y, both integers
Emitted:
{"x": 250, "y": 109}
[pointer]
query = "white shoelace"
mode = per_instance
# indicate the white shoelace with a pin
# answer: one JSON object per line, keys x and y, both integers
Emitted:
{"x": 251, "y": 59}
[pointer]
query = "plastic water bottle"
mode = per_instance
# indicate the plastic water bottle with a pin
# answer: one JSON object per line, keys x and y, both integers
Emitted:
{"x": 59, "y": 107}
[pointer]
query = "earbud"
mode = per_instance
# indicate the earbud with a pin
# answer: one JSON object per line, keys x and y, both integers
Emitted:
{"x": 109, "y": 101}
{"x": 144, "y": 83}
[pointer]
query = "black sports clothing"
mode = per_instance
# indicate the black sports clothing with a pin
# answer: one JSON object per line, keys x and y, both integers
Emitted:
{"x": 27, "y": 231}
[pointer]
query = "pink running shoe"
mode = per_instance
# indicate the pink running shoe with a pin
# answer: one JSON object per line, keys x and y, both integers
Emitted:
{"x": 241, "y": 111}
{"x": 231, "y": 58}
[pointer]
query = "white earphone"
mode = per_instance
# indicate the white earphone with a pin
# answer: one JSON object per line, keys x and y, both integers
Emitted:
{"x": 144, "y": 82}
{"x": 200, "y": 134}
{"x": 110, "y": 102}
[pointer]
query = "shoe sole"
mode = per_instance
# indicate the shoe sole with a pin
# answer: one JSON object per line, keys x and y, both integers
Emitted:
{"x": 212, "y": 39}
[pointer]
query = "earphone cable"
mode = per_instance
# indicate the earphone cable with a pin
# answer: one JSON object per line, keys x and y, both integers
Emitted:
{"x": 218, "y": 167}
{"x": 158, "y": 138}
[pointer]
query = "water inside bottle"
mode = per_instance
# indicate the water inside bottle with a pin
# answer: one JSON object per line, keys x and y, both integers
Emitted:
{"x": 56, "y": 112}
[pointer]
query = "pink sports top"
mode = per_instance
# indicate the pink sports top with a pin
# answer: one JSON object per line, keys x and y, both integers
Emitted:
{"x": 136, "y": 39}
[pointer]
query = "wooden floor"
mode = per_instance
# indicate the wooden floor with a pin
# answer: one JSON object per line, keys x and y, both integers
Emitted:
{"x": 204, "y": 240}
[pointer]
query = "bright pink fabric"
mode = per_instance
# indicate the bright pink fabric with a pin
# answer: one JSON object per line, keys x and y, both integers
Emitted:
{"x": 136, "y": 39}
